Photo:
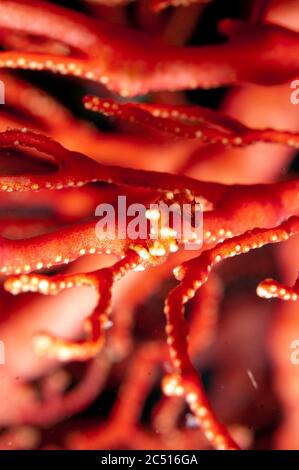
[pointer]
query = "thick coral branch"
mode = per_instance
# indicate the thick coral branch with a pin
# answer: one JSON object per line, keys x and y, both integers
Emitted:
{"x": 75, "y": 169}
{"x": 95, "y": 325}
{"x": 48, "y": 250}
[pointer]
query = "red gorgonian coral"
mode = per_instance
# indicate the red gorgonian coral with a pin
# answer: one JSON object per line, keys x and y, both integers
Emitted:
{"x": 200, "y": 111}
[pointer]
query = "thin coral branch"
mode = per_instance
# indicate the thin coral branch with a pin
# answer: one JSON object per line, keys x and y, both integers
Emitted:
{"x": 191, "y": 122}
{"x": 193, "y": 274}
{"x": 271, "y": 289}
{"x": 75, "y": 169}
{"x": 94, "y": 326}
{"x": 123, "y": 66}
{"x": 158, "y": 5}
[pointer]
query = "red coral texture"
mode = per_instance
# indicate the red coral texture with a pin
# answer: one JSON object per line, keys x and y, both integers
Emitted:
{"x": 124, "y": 343}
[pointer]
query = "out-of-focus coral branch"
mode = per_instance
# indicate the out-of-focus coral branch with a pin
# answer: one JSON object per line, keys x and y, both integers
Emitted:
{"x": 191, "y": 122}
{"x": 193, "y": 274}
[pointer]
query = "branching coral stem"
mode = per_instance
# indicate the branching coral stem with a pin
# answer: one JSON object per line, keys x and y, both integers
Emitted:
{"x": 192, "y": 274}
{"x": 123, "y": 66}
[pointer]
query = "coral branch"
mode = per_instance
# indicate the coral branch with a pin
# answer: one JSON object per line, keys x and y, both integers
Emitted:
{"x": 269, "y": 289}
{"x": 55, "y": 408}
{"x": 191, "y": 122}
{"x": 267, "y": 206}
{"x": 95, "y": 325}
{"x": 112, "y": 51}
{"x": 185, "y": 381}
{"x": 123, "y": 66}
{"x": 75, "y": 169}
{"x": 158, "y": 5}
{"x": 47, "y": 250}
